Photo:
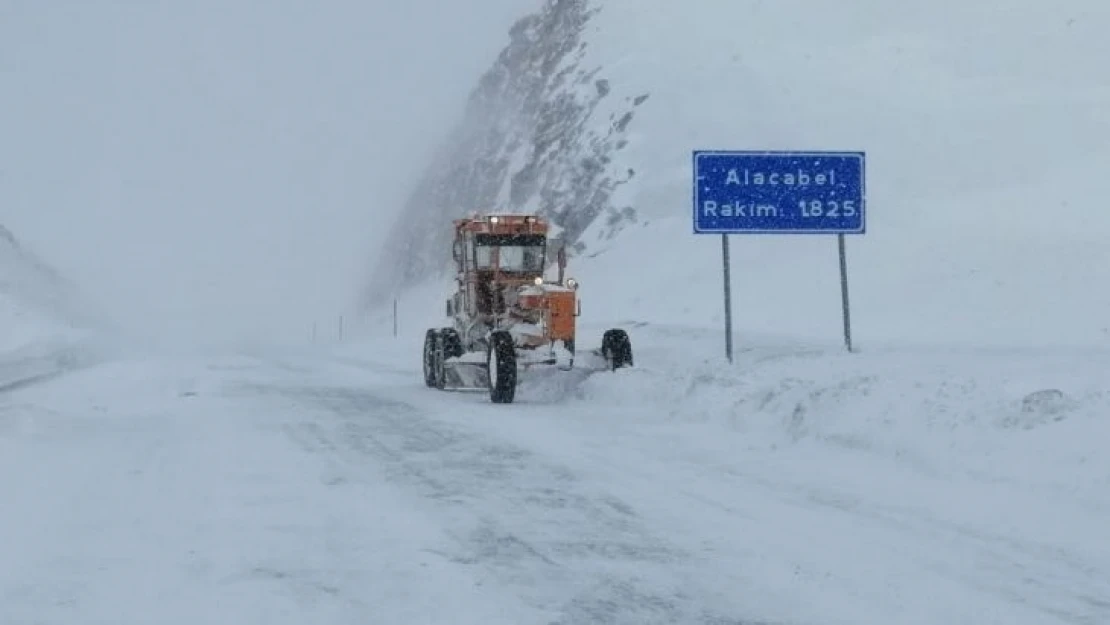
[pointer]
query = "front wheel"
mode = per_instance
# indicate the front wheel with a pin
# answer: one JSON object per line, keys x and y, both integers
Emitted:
{"x": 501, "y": 366}
{"x": 617, "y": 349}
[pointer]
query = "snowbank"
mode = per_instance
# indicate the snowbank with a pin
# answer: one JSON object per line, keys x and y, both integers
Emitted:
{"x": 1032, "y": 416}
{"x": 935, "y": 484}
{"x": 1035, "y": 417}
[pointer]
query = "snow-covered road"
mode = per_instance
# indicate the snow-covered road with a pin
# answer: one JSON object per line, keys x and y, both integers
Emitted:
{"x": 332, "y": 487}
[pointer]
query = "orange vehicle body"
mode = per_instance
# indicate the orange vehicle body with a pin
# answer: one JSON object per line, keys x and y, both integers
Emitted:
{"x": 505, "y": 315}
{"x": 493, "y": 286}
{"x": 560, "y": 315}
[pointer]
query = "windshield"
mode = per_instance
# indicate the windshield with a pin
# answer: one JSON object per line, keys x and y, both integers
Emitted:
{"x": 521, "y": 258}
{"x": 517, "y": 253}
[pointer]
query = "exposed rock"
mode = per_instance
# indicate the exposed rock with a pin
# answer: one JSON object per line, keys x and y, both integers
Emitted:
{"x": 527, "y": 141}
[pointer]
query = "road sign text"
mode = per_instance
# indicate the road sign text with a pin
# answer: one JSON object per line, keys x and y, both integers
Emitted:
{"x": 779, "y": 192}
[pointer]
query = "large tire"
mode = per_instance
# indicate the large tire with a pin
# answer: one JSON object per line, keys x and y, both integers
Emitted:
{"x": 617, "y": 349}
{"x": 502, "y": 368}
{"x": 439, "y": 367}
{"x": 430, "y": 338}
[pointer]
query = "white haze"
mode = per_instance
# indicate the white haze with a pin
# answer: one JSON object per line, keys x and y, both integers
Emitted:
{"x": 215, "y": 170}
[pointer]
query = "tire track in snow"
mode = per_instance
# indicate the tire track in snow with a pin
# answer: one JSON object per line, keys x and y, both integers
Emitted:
{"x": 532, "y": 525}
{"x": 1050, "y": 581}
{"x": 1061, "y": 584}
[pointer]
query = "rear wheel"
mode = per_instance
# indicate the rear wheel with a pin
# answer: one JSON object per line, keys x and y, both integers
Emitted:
{"x": 430, "y": 339}
{"x": 501, "y": 365}
{"x": 617, "y": 349}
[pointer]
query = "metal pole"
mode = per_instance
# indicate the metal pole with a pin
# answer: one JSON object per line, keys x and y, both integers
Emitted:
{"x": 846, "y": 309}
{"x": 394, "y": 317}
{"x": 728, "y": 296}
{"x": 340, "y": 327}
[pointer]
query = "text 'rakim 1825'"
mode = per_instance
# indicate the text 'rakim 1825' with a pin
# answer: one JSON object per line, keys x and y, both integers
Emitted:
{"x": 744, "y": 192}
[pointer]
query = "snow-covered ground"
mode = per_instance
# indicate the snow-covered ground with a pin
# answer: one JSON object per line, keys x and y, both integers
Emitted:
{"x": 903, "y": 483}
{"x": 801, "y": 485}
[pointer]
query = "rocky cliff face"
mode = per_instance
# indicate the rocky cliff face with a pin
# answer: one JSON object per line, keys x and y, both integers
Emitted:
{"x": 530, "y": 139}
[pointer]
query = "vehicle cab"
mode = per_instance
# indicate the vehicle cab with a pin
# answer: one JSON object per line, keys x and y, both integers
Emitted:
{"x": 494, "y": 254}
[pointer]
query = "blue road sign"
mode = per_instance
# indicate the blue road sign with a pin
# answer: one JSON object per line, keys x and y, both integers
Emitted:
{"x": 738, "y": 192}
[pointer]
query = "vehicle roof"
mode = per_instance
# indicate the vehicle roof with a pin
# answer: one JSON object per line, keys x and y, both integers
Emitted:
{"x": 503, "y": 223}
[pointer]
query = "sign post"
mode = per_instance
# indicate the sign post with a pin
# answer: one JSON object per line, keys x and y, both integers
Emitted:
{"x": 846, "y": 311}
{"x": 746, "y": 192}
{"x": 728, "y": 296}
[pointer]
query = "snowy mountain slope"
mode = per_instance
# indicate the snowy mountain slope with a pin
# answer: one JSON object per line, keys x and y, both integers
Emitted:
{"x": 45, "y": 327}
{"x": 984, "y": 125}
{"x": 984, "y": 158}
{"x": 529, "y": 138}
{"x": 33, "y": 293}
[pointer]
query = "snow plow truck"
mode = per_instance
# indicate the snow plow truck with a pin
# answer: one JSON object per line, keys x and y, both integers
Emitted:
{"x": 504, "y": 317}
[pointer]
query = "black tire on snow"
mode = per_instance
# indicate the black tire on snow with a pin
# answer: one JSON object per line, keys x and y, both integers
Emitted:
{"x": 439, "y": 356}
{"x": 503, "y": 372}
{"x": 430, "y": 338}
{"x": 617, "y": 349}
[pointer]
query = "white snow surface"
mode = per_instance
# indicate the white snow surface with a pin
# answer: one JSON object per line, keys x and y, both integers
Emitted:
{"x": 952, "y": 470}
{"x": 800, "y": 485}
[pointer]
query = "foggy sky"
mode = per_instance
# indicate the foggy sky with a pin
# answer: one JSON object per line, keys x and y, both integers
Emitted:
{"x": 224, "y": 168}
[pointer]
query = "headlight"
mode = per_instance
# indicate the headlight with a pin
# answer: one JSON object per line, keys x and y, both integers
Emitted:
{"x": 494, "y": 219}
{"x": 538, "y": 281}
{"x": 572, "y": 283}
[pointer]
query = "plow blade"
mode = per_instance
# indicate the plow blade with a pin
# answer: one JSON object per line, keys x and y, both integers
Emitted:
{"x": 470, "y": 375}
{"x": 470, "y": 371}
{"x": 465, "y": 376}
